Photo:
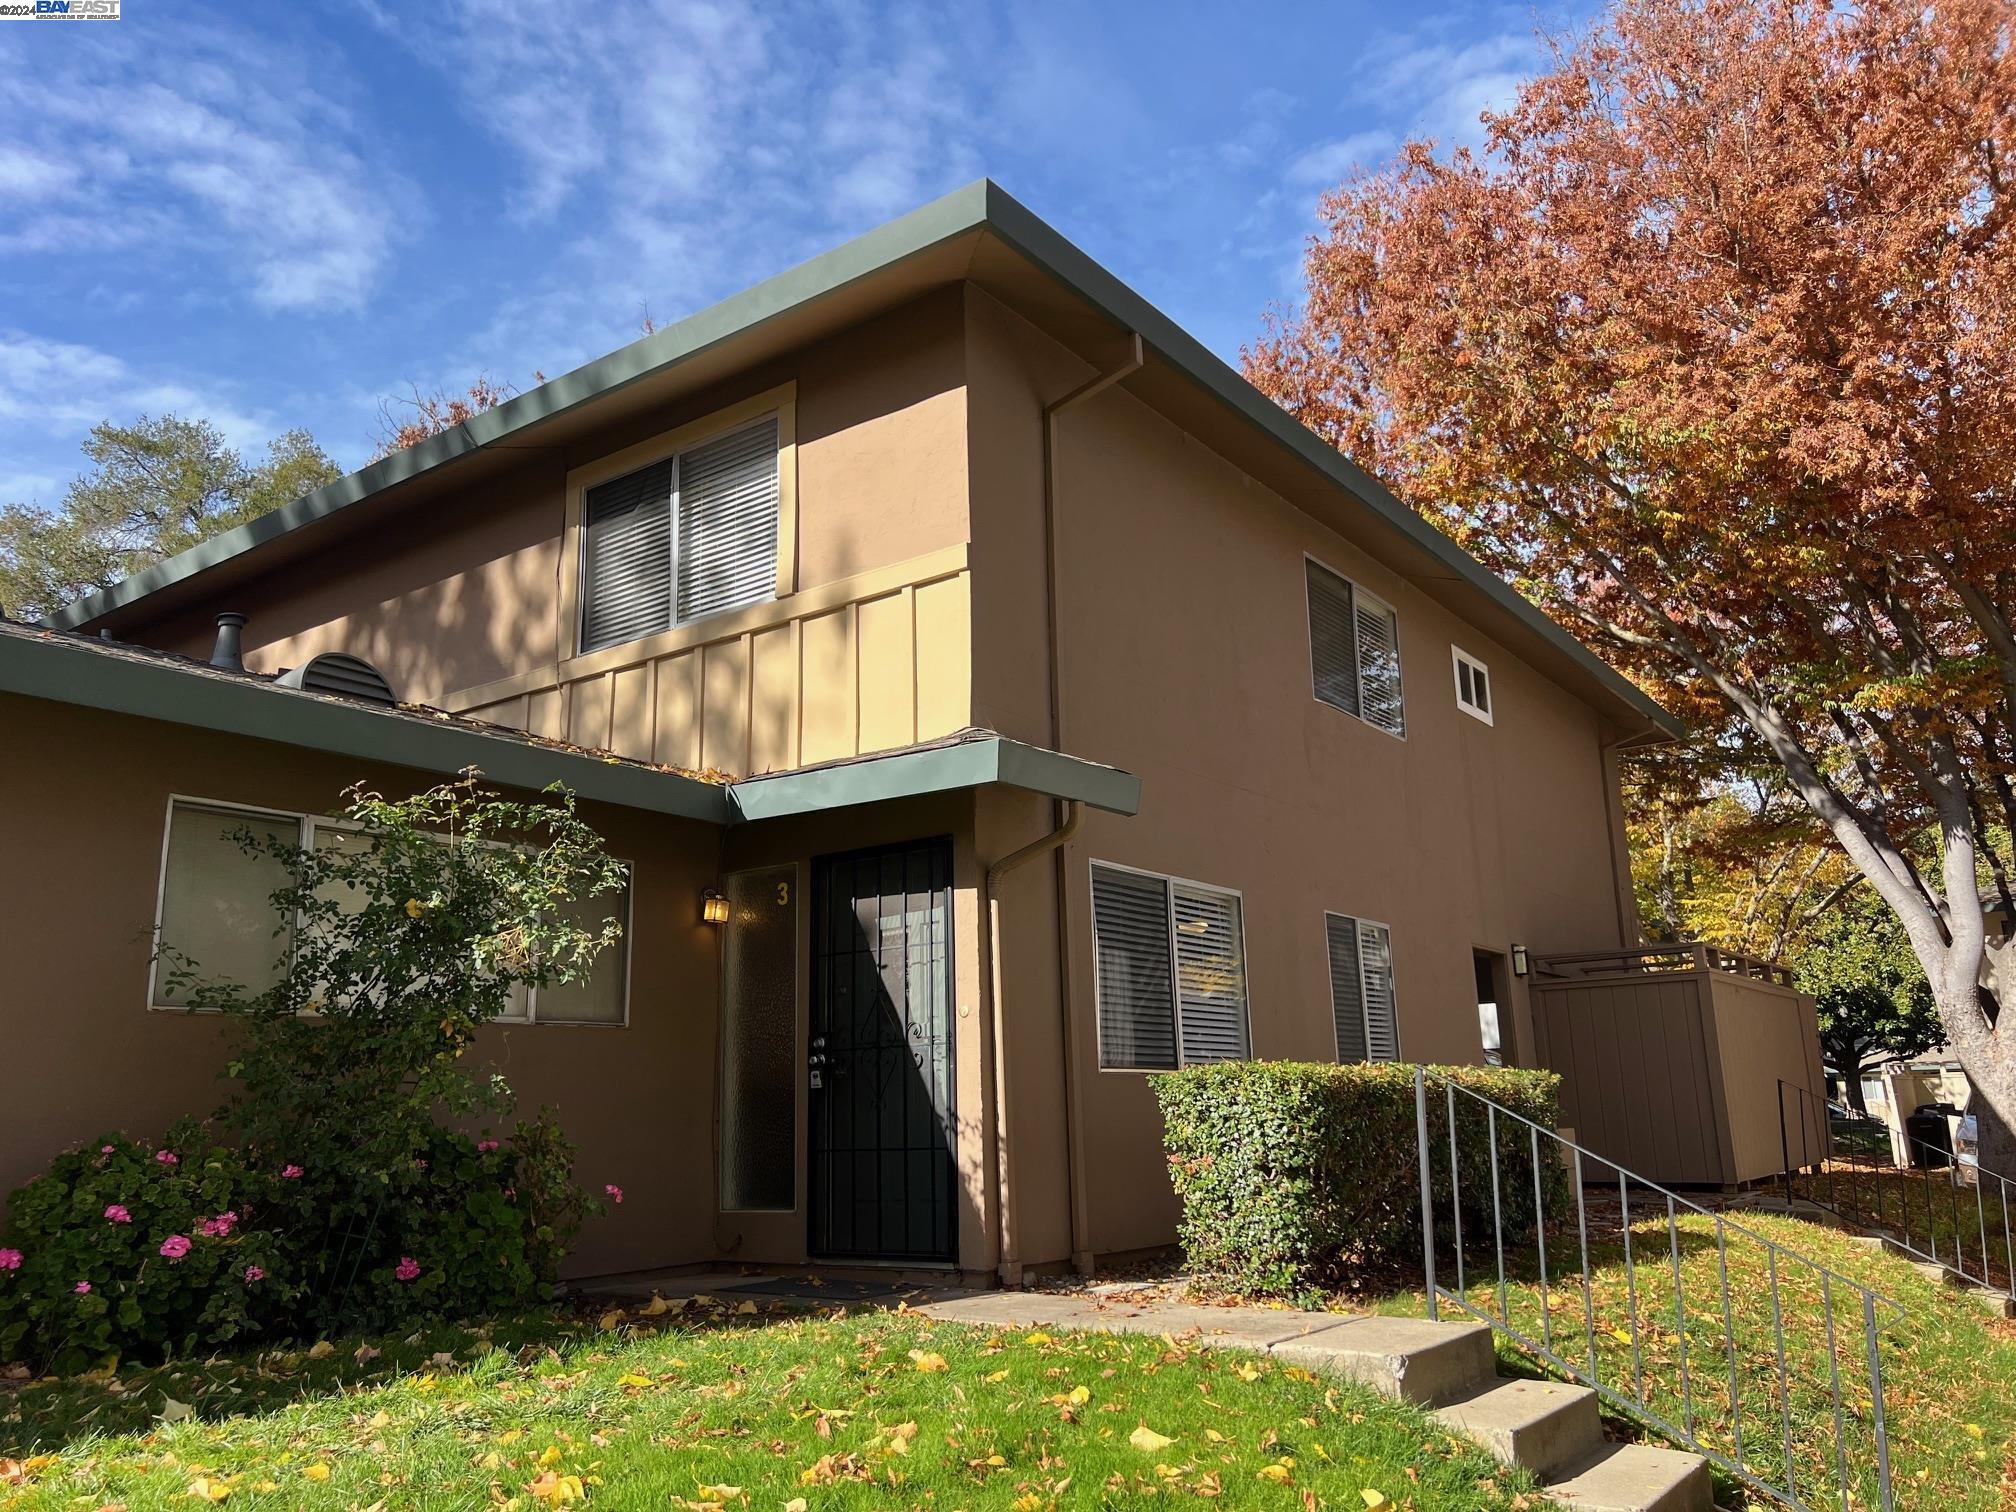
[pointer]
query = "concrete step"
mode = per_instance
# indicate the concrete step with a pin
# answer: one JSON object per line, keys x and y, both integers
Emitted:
{"x": 1409, "y": 1358}
{"x": 1542, "y": 1426}
{"x": 1637, "y": 1478}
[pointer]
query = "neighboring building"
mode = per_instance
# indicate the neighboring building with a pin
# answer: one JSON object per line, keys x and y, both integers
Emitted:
{"x": 936, "y": 545}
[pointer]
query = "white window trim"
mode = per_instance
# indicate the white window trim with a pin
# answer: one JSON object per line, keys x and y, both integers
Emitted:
{"x": 1308, "y": 636}
{"x": 779, "y": 403}
{"x": 1170, "y": 883}
{"x": 306, "y": 826}
{"x": 1364, "y": 997}
{"x": 1459, "y": 658}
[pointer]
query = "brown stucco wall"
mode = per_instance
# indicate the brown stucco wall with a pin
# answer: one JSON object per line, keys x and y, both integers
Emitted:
{"x": 1184, "y": 641}
{"x": 84, "y": 1054}
{"x": 466, "y": 591}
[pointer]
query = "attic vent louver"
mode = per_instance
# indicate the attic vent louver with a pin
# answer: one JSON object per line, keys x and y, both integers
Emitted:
{"x": 342, "y": 674}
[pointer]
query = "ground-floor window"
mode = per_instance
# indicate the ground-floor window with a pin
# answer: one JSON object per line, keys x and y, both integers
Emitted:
{"x": 1361, "y": 989}
{"x": 215, "y": 912}
{"x": 1170, "y": 971}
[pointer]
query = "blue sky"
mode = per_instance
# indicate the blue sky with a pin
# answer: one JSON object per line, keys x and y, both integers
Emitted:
{"x": 274, "y": 215}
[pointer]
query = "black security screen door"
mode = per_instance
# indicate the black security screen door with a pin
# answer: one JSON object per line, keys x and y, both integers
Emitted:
{"x": 881, "y": 1054}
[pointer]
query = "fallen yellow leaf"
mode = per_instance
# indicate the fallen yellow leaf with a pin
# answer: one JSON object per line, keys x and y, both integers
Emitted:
{"x": 321, "y": 1349}
{"x": 1078, "y": 1396}
{"x": 995, "y": 1377}
{"x": 1275, "y": 1473}
{"x": 204, "y": 1488}
{"x": 929, "y": 1360}
{"x": 315, "y": 1472}
{"x": 1147, "y": 1440}
{"x": 1374, "y": 1500}
{"x": 633, "y": 1380}
{"x": 1037, "y": 1338}
{"x": 1248, "y": 1372}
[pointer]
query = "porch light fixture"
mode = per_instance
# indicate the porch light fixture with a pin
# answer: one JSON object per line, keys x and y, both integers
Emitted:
{"x": 1520, "y": 964}
{"x": 713, "y": 907}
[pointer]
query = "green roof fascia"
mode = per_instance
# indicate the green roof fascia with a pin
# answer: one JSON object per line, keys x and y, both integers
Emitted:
{"x": 938, "y": 769}
{"x": 72, "y": 674}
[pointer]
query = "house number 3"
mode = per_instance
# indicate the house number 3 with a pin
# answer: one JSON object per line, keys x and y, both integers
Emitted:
{"x": 783, "y": 894}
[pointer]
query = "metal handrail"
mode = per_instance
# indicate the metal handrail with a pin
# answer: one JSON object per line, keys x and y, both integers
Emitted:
{"x": 1638, "y": 1392}
{"x": 1967, "y": 1256}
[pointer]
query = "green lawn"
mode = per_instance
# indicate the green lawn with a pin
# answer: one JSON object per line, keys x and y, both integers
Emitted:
{"x": 1938, "y": 1212}
{"x": 1949, "y": 1369}
{"x": 875, "y": 1410}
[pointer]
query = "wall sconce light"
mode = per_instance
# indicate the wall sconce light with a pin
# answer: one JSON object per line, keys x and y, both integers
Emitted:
{"x": 1520, "y": 964}
{"x": 713, "y": 907}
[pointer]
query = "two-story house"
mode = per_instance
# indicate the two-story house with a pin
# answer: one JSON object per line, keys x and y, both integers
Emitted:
{"x": 1083, "y": 716}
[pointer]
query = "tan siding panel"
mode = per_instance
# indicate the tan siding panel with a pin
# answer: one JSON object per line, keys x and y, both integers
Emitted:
{"x": 774, "y": 723}
{"x": 944, "y": 658}
{"x": 546, "y": 713}
{"x": 588, "y": 715}
{"x": 678, "y": 736}
{"x": 631, "y": 712}
{"x": 724, "y": 717}
{"x": 828, "y": 699}
{"x": 888, "y": 661}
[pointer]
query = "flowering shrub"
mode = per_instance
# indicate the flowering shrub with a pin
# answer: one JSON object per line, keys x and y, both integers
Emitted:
{"x": 346, "y": 1200}
{"x": 115, "y": 1249}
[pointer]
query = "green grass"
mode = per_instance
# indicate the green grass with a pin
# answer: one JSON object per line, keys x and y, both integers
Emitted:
{"x": 1949, "y": 1368}
{"x": 876, "y": 1410}
{"x": 1936, "y": 1212}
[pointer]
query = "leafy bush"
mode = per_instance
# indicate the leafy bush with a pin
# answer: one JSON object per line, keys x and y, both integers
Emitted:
{"x": 122, "y": 1245}
{"x": 1298, "y": 1178}
{"x": 353, "y": 1202}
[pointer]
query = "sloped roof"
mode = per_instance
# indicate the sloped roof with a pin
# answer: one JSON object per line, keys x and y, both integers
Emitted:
{"x": 978, "y": 233}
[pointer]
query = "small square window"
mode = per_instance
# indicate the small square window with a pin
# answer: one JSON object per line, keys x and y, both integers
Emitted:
{"x": 1473, "y": 685}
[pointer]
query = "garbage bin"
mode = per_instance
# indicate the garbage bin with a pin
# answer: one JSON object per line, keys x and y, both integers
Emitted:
{"x": 1931, "y": 1136}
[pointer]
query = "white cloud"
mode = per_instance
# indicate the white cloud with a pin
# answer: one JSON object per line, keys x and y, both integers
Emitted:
{"x": 209, "y": 147}
{"x": 1330, "y": 163}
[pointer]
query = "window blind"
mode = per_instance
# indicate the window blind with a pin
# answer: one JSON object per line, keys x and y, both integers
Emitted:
{"x": 627, "y": 570}
{"x": 728, "y": 521}
{"x": 1130, "y": 940}
{"x": 1361, "y": 990}
{"x": 684, "y": 538}
{"x": 1210, "y": 975}
{"x": 1354, "y": 651}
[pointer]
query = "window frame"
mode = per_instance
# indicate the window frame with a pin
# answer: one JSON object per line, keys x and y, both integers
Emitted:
{"x": 305, "y": 827}
{"x": 1358, "y": 590}
{"x": 779, "y": 403}
{"x": 1458, "y": 660}
{"x": 1170, "y": 882}
{"x": 1393, "y": 988}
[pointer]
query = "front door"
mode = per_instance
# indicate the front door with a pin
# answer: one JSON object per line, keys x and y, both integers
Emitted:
{"x": 881, "y": 1055}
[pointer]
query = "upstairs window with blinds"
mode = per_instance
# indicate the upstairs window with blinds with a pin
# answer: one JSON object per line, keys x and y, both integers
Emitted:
{"x": 1170, "y": 969}
{"x": 1354, "y": 650}
{"x": 1361, "y": 989}
{"x": 693, "y": 535}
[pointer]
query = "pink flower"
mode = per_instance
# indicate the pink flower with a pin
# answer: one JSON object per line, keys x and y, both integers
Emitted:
{"x": 407, "y": 1268}
{"x": 615, "y": 1192}
{"x": 254, "y": 1273}
{"x": 81, "y": 1288}
{"x": 510, "y": 1194}
{"x": 104, "y": 1149}
{"x": 485, "y": 1146}
{"x": 117, "y": 1214}
{"x": 291, "y": 1173}
{"x": 219, "y": 1227}
{"x": 10, "y": 1259}
{"x": 419, "y": 1165}
{"x": 175, "y": 1246}
{"x": 167, "y": 1157}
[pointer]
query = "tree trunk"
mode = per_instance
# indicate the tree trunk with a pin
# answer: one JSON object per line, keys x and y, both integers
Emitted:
{"x": 1986, "y": 1053}
{"x": 1851, "y": 1087}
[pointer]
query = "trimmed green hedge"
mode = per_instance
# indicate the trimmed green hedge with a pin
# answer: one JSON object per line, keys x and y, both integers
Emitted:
{"x": 1301, "y": 1178}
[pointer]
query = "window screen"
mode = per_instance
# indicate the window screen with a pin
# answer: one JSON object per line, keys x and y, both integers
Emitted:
{"x": 1171, "y": 972}
{"x": 1361, "y": 989}
{"x": 217, "y": 913}
{"x": 1354, "y": 651}
{"x": 684, "y": 538}
{"x": 603, "y": 995}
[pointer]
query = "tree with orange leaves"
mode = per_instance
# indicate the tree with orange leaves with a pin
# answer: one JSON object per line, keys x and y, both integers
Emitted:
{"x": 1709, "y": 348}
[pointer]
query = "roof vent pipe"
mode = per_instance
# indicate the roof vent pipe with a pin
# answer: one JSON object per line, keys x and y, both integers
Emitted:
{"x": 228, "y": 655}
